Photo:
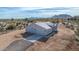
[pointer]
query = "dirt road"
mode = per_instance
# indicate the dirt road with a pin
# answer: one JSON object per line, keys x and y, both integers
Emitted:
{"x": 8, "y": 38}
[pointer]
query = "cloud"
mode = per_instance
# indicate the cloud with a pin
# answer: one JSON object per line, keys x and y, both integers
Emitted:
{"x": 30, "y": 8}
{"x": 14, "y": 12}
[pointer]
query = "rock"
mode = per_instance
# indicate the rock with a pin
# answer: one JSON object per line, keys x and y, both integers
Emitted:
{"x": 41, "y": 28}
{"x": 18, "y": 45}
{"x": 63, "y": 40}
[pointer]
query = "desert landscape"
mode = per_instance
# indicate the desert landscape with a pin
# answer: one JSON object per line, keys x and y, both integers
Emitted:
{"x": 64, "y": 40}
{"x": 57, "y": 33}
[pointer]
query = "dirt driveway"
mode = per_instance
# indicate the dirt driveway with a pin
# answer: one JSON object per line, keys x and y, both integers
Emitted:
{"x": 8, "y": 38}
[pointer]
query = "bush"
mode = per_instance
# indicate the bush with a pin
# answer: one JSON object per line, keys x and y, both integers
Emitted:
{"x": 10, "y": 27}
{"x": 1, "y": 29}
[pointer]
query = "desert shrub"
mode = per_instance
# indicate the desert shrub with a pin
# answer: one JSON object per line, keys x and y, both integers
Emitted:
{"x": 1, "y": 29}
{"x": 10, "y": 27}
{"x": 77, "y": 32}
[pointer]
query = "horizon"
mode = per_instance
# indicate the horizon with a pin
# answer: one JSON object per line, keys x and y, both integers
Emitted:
{"x": 36, "y": 12}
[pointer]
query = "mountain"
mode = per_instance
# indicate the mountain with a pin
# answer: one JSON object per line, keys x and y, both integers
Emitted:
{"x": 62, "y": 16}
{"x": 77, "y": 17}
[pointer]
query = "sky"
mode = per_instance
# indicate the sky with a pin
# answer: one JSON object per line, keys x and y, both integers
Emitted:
{"x": 37, "y": 8}
{"x": 26, "y": 12}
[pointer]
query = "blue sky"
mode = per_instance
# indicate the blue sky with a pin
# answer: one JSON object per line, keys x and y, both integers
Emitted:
{"x": 23, "y": 12}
